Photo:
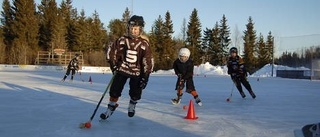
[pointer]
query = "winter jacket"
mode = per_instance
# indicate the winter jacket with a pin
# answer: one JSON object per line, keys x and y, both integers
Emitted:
{"x": 184, "y": 69}
{"x": 131, "y": 56}
{"x": 236, "y": 66}
{"x": 73, "y": 64}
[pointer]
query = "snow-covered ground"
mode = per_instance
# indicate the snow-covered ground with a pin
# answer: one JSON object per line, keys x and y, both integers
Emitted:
{"x": 34, "y": 103}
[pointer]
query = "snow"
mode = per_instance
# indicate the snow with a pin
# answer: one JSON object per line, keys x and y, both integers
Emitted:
{"x": 34, "y": 103}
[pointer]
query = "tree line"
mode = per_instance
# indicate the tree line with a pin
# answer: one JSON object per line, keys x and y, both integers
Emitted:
{"x": 27, "y": 28}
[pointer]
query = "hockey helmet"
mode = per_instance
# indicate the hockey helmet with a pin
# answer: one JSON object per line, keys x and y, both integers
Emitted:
{"x": 233, "y": 50}
{"x": 184, "y": 54}
{"x": 136, "y": 21}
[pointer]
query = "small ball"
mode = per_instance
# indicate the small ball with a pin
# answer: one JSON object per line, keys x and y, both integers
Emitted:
{"x": 87, "y": 125}
{"x": 185, "y": 107}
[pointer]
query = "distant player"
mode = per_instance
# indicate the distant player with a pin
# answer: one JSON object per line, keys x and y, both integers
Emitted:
{"x": 73, "y": 66}
{"x": 238, "y": 73}
{"x": 183, "y": 68}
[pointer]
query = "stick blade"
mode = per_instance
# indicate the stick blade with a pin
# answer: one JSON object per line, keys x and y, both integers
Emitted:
{"x": 82, "y": 125}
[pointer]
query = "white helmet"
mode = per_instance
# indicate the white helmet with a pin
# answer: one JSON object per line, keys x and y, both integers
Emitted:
{"x": 184, "y": 52}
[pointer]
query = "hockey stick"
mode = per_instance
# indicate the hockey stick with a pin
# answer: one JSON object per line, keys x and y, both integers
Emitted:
{"x": 88, "y": 124}
{"x": 79, "y": 72}
{"x": 229, "y": 98}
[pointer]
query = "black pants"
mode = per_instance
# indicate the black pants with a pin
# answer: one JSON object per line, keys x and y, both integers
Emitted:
{"x": 118, "y": 84}
{"x": 241, "y": 80}
{"x": 189, "y": 85}
{"x": 73, "y": 71}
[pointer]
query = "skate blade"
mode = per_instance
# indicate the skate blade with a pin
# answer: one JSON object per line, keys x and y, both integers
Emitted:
{"x": 175, "y": 103}
{"x": 200, "y": 104}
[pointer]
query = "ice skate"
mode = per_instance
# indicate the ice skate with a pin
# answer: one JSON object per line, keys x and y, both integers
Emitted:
{"x": 243, "y": 95}
{"x": 131, "y": 108}
{"x": 198, "y": 101}
{"x": 252, "y": 94}
{"x": 109, "y": 112}
{"x": 176, "y": 101}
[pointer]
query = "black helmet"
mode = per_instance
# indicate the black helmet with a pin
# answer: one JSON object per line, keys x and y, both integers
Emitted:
{"x": 233, "y": 50}
{"x": 77, "y": 55}
{"x": 136, "y": 21}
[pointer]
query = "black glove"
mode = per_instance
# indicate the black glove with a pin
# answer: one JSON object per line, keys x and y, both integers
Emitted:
{"x": 234, "y": 75}
{"x": 114, "y": 69}
{"x": 144, "y": 81}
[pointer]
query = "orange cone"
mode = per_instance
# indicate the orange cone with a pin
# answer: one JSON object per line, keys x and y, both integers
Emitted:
{"x": 191, "y": 113}
{"x": 90, "y": 80}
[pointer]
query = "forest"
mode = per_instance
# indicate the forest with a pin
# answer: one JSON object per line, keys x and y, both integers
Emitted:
{"x": 27, "y": 28}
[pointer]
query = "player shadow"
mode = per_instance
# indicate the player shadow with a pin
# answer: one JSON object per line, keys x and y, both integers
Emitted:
{"x": 40, "y": 111}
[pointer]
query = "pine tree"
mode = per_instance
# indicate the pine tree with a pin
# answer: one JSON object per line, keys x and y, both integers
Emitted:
{"x": 225, "y": 40}
{"x": 157, "y": 37}
{"x": 212, "y": 40}
{"x": 193, "y": 40}
{"x": 249, "y": 39}
{"x": 2, "y": 47}
{"x": 70, "y": 17}
{"x": 51, "y": 32}
{"x": 97, "y": 32}
{"x": 169, "y": 50}
{"x": 25, "y": 26}
{"x": 82, "y": 28}
{"x": 117, "y": 29}
{"x": 262, "y": 52}
{"x": 270, "y": 47}
{"x": 7, "y": 31}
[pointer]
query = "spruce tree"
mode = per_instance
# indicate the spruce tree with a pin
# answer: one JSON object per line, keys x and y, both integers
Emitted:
{"x": 25, "y": 27}
{"x": 270, "y": 47}
{"x": 249, "y": 39}
{"x": 7, "y": 31}
{"x": 193, "y": 41}
{"x": 169, "y": 50}
{"x": 225, "y": 40}
{"x": 157, "y": 38}
{"x": 262, "y": 52}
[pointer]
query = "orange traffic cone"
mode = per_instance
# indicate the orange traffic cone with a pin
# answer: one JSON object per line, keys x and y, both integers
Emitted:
{"x": 90, "y": 80}
{"x": 191, "y": 113}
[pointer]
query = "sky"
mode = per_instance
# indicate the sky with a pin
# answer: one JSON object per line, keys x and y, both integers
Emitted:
{"x": 35, "y": 103}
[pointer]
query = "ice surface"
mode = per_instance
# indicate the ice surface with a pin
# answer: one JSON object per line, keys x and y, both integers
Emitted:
{"x": 35, "y": 103}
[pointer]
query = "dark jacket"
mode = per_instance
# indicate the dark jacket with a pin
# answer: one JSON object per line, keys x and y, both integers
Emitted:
{"x": 73, "y": 64}
{"x": 236, "y": 66}
{"x": 131, "y": 56}
{"x": 185, "y": 69}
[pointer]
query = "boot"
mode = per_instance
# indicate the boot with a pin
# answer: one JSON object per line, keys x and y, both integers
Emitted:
{"x": 131, "y": 108}
{"x": 71, "y": 78}
{"x": 176, "y": 100}
{"x": 64, "y": 78}
{"x": 242, "y": 94}
{"x": 111, "y": 108}
{"x": 198, "y": 100}
{"x": 252, "y": 94}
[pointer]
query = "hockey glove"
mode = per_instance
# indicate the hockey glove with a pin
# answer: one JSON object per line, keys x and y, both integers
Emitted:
{"x": 181, "y": 84}
{"x": 234, "y": 75}
{"x": 144, "y": 81}
{"x": 114, "y": 69}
